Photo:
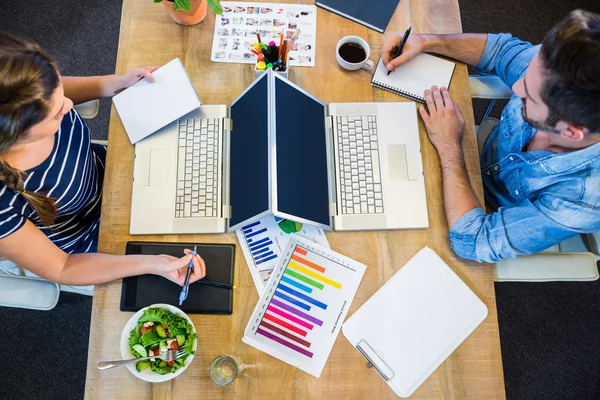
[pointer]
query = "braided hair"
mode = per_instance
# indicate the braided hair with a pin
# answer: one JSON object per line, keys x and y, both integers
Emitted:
{"x": 28, "y": 77}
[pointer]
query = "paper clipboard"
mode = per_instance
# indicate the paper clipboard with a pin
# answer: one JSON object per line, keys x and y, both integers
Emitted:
{"x": 414, "y": 322}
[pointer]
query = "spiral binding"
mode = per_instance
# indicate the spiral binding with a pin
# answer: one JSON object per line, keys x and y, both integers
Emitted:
{"x": 392, "y": 89}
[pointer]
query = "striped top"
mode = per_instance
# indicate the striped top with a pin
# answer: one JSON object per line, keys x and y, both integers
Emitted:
{"x": 72, "y": 175}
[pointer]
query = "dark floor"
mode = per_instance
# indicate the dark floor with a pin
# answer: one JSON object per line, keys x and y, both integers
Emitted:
{"x": 549, "y": 331}
{"x": 45, "y": 352}
{"x": 82, "y": 35}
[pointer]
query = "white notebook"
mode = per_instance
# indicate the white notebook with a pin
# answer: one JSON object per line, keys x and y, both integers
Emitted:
{"x": 145, "y": 107}
{"x": 415, "y": 321}
{"x": 411, "y": 79}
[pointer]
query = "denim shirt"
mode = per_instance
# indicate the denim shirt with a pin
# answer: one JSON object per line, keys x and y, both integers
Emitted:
{"x": 541, "y": 197}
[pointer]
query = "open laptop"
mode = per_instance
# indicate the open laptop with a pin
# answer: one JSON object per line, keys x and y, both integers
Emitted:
{"x": 279, "y": 150}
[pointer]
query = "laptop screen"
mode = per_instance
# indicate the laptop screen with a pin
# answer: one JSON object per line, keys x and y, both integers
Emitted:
{"x": 248, "y": 188}
{"x": 302, "y": 184}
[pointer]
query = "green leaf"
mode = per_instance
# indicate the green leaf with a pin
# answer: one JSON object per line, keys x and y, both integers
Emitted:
{"x": 215, "y": 6}
{"x": 158, "y": 1}
{"x": 152, "y": 314}
{"x": 162, "y": 370}
{"x": 134, "y": 335}
{"x": 182, "y": 5}
{"x": 149, "y": 338}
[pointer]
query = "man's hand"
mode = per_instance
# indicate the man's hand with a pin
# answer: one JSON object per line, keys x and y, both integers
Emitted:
{"x": 445, "y": 126}
{"x": 413, "y": 47}
{"x": 444, "y": 122}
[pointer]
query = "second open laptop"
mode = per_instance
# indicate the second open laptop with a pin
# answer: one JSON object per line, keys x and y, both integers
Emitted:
{"x": 279, "y": 150}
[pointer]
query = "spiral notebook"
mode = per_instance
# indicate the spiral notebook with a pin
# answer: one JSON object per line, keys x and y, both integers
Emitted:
{"x": 411, "y": 79}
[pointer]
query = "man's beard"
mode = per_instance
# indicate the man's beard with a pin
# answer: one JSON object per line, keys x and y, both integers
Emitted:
{"x": 547, "y": 126}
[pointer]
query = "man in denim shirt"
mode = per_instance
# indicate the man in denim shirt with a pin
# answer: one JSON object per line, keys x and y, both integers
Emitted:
{"x": 541, "y": 164}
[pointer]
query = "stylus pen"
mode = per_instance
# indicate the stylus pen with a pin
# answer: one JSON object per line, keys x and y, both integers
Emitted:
{"x": 186, "y": 285}
{"x": 216, "y": 284}
{"x": 402, "y": 43}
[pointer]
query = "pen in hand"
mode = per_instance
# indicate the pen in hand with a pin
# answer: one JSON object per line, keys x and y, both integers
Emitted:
{"x": 186, "y": 285}
{"x": 402, "y": 43}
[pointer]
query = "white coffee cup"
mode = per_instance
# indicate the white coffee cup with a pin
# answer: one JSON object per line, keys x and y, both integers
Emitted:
{"x": 366, "y": 63}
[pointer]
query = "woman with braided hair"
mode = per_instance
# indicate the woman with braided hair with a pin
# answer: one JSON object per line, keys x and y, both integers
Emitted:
{"x": 51, "y": 175}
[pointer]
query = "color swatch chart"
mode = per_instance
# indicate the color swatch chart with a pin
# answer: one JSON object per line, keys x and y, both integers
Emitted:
{"x": 304, "y": 305}
{"x": 263, "y": 241}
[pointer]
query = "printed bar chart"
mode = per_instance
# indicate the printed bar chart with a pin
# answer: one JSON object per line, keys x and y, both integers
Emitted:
{"x": 304, "y": 304}
{"x": 259, "y": 242}
{"x": 263, "y": 241}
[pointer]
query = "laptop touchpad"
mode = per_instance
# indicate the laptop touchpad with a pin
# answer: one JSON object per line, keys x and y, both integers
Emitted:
{"x": 159, "y": 162}
{"x": 397, "y": 162}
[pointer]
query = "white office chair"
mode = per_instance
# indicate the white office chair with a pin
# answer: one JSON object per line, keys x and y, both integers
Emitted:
{"x": 22, "y": 289}
{"x": 571, "y": 260}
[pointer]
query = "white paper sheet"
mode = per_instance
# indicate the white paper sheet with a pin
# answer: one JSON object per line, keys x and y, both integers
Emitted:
{"x": 301, "y": 311}
{"x": 146, "y": 106}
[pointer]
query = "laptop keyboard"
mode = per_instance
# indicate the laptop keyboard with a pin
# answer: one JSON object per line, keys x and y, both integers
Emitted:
{"x": 197, "y": 166}
{"x": 358, "y": 155}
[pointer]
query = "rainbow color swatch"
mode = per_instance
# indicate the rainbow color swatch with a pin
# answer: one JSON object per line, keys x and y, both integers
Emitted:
{"x": 304, "y": 304}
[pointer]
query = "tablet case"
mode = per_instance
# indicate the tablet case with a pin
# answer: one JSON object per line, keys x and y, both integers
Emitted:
{"x": 141, "y": 291}
{"x": 374, "y": 15}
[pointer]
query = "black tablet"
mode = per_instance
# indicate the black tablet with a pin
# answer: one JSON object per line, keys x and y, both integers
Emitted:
{"x": 141, "y": 291}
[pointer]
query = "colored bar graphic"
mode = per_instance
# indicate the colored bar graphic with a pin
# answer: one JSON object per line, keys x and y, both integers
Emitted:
{"x": 285, "y": 333}
{"x": 261, "y": 256}
{"x": 314, "y": 275}
{"x": 266, "y": 259}
{"x": 256, "y": 233}
{"x": 259, "y": 242}
{"x": 301, "y": 296}
{"x": 290, "y": 317}
{"x": 304, "y": 278}
{"x": 300, "y": 250}
{"x": 284, "y": 342}
{"x": 260, "y": 251}
{"x": 260, "y": 246}
{"x": 296, "y": 284}
{"x": 299, "y": 313}
{"x": 292, "y": 300}
{"x": 308, "y": 263}
{"x": 251, "y": 225}
{"x": 285, "y": 325}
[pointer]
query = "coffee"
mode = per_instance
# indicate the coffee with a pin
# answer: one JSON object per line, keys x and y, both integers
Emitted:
{"x": 352, "y": 52}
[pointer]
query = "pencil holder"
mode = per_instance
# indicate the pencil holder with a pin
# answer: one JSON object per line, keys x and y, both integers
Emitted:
{"x": 284, "y": 74}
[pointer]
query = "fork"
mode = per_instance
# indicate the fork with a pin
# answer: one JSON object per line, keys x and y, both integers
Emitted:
{"x": 169, "y": 355}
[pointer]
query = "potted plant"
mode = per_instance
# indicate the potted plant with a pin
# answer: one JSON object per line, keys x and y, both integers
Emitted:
{"x": 190, "y": 12}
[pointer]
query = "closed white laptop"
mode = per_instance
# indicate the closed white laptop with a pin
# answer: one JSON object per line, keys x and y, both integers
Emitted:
{"x": 415, "y": 321}
{"x": 277, "y": 150}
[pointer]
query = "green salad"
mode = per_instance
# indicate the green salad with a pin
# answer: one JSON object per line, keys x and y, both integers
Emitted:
{"x": 159, "y": 330}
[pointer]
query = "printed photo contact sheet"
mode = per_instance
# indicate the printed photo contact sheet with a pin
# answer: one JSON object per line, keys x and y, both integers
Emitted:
{"x": 236, "y": 29}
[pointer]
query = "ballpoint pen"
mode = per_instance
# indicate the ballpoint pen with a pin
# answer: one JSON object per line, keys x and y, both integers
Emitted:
{"x": 402, "y": 43}
{"x": 186, "y": 284}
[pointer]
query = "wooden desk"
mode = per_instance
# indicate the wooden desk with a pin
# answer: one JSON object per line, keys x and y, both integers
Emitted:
{"x": 149, "y": 37}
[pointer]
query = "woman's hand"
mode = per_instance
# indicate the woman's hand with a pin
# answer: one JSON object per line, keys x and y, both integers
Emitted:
{"x": 132, "y": 76}
{"x": 175, "y": 269}
{"x": 413, "y": 47}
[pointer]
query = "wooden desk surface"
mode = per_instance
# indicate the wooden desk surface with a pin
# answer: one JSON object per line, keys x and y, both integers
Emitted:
{"x": 149, "y": 37}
